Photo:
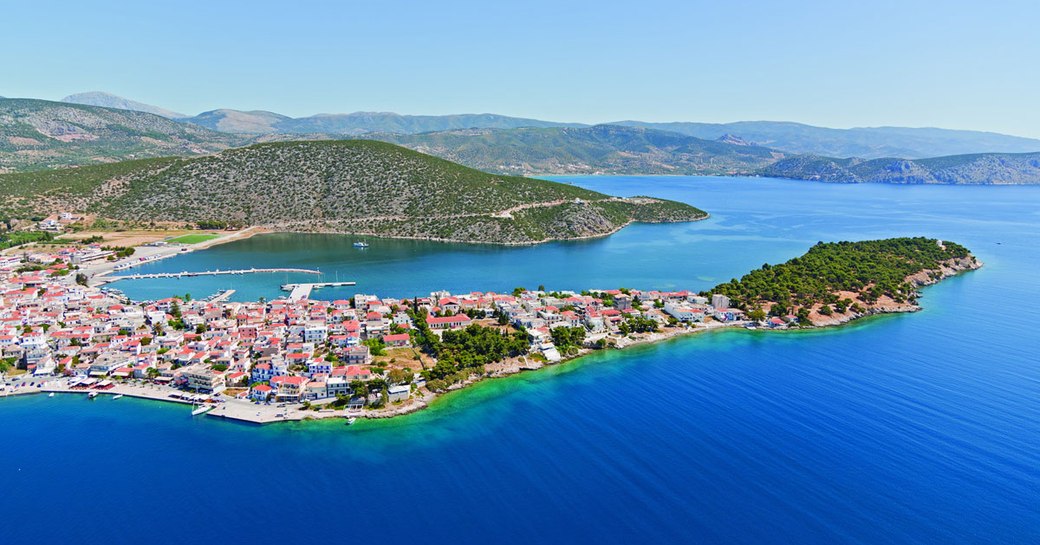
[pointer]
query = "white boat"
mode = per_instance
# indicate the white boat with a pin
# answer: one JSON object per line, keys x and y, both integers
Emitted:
{"x": 92, "y": 395}
{"x": 360, "y": 244}
{"x": 200, "y": 409}
{"x": 50, "y": 394}
{"x": 351, "y": 420}
{"x": 117, "y": 396}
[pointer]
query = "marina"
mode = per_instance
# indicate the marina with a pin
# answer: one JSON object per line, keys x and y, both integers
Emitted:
{"x": 217, "y": 272}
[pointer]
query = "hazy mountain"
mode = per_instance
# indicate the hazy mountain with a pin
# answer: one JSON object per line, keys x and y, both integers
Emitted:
{"x": 235, "y": 121}
{"x": 870, "y": 143}
{"x": 979, "y": 168}
{"x": 39, "y": 134}
{"x": 108, "y": 100}
{"x": 355, "y": 186}
{"x": 586, "y": 150}
{"x": 261, "y": 122}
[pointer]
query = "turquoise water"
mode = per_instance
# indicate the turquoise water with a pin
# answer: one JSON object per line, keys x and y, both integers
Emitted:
{"x": 921, "y": 428}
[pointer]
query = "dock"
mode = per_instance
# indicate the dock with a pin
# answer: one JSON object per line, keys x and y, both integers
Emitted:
{"x": 298, "y": 292}
{"x": 217, "y": 272}
{"x": 222, "y": 296}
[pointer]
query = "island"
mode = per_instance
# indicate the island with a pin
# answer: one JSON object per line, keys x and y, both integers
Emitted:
{"x": 295, "y": 358}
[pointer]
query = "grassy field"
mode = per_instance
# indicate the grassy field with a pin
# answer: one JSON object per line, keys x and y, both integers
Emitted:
{"x": 193, "y": 238}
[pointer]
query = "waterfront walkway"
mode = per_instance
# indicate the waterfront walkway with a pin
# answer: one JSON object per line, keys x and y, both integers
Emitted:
{"x": 298, "y": 292}
{"x": 208, "y": 273}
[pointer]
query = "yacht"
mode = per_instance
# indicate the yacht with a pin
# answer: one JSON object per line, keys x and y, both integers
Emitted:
{"x": 351, "y": 420}
{"x": 360, "y": 244}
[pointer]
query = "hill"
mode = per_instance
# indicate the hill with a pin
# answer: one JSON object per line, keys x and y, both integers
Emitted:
{"x": 838, "y": 281}
{"x": 354, "y": 186}
{"x": 870, "y": 143}
{"x": 40, "y": 134}
{"x": 602, "y": 149}
{"x": 108, "y": 100}
{"x": 982, "y": 168}
{"x": 261, "y": 122}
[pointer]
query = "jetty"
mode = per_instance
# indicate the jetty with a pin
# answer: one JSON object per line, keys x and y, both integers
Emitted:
{"x": 217, "y": 272}
{"x": 298, "y": 292}
{"x": 219, "y": 297}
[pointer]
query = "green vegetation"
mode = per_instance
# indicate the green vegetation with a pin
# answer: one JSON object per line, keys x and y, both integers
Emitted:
{"x": 869, "y": 268}
{"x": 463, "y": 352}
{"x": 334, "y": 186}
{"x": 193, "y": 238}
{"x": 568, "y": 340}
{"x": 11, "y": 239}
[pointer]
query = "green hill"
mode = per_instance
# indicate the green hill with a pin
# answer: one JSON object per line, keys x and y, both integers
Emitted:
{"x": 353, "y": 186}
{"x": 40, "y": 134}
{"x": 586, "y": 150}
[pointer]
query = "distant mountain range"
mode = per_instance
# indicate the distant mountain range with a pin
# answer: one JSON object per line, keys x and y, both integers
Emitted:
{"x": 37, "y": 134}
{"x": 40, "y": 134}
{"x": 977, "y": 168}
{"x": 586, "y": 150}
{"x": 108, "y": 100}
{"x": 868, "y": 143}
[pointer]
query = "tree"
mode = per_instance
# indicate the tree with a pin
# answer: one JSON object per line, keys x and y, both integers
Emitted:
{"x": 757, "y": 315}
{"x": 401, "y": 376}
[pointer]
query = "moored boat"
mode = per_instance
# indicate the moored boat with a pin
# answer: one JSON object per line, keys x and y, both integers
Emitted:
{"x": 351, "y": 420}
{"x": 200, "y": 409}
{"x": 92, "y": 395}
{"x": 117, "y": 396}
{"x": 360, "y": 244}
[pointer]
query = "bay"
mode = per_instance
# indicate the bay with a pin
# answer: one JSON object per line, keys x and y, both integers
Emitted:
{"x": 920, "y": 428}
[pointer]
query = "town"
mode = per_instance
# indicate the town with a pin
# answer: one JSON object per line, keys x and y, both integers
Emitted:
{"x": 293, "y": 358}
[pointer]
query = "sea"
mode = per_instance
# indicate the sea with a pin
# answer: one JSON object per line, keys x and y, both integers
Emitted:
{"x": 903, "y": 429}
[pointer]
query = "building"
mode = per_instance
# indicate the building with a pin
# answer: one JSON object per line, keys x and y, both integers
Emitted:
{"x": 204, "y": 380}
{"x": 720, "y": 301}
{"x": 448, "y": 322}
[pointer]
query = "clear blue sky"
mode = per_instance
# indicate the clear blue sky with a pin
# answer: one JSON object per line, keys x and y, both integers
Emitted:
{"x": 953, "y": 64}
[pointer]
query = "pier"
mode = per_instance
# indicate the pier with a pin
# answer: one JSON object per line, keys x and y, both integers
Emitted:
{"x": 303, "y": 291}
{"x": 208, "y": 273}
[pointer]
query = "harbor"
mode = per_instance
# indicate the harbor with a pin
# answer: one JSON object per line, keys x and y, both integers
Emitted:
{"x": 298, "y": 292}
{"x": 217, "y": 272}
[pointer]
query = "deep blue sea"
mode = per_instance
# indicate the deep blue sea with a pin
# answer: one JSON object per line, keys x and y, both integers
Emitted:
{"x": 917, "y": 428}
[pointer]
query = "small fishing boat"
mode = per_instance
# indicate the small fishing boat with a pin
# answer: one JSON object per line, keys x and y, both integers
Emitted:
{"x": 200, "y": 409}
{"x": 92, "y": 395}
{"x": 360, "y": 244}
{"x": 50, "y": 394}
{"x": 117, "y": 396}
{"x": 351, "y": 420}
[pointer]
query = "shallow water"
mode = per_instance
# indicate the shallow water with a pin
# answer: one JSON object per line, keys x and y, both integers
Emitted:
{"x": 919, "y": 428}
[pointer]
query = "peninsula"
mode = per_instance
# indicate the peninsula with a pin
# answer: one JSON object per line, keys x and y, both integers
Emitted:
{"x": 375, "y": 357}
{"x": 344, "y": 186}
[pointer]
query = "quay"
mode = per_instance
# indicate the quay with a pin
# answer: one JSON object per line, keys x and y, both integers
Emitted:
{"x": 299, "y": 292}
{"x": 208, "y": 273}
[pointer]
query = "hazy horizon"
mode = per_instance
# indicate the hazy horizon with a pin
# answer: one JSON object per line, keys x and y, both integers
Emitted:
{"x": 811, "y": 62}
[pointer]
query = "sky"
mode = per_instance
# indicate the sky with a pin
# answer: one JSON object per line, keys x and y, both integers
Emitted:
{"x": 952, "y": 64}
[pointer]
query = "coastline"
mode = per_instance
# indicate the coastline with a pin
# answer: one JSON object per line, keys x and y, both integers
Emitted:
{"x": 247, "y": 412}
